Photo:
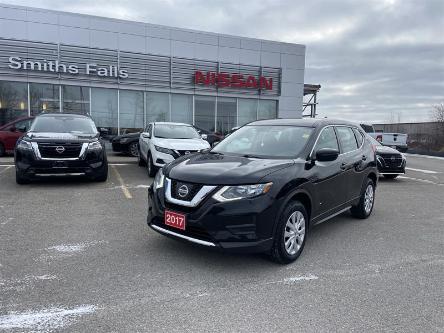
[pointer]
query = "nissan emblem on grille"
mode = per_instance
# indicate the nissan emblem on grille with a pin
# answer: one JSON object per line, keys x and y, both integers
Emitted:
{"x": 60, "y": 149}
{"x": 183, "y": 191}
{"x": 393, "y": 158}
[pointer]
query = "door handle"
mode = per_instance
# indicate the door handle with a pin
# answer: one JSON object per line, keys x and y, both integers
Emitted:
{"x": 343, "y": 166}
{"x": 364, "y": 158}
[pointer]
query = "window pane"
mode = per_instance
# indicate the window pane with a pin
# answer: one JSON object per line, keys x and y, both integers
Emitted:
{"x": 267, "y": 109}
{"x": 131, "y": 111}
{"x": 327, "y": 139}
{"x": 13, "y": 101}
{"x": 75, "y": 99}
{"x": 359, "y": 137}
{"x": 226, "y": 115}
{"x": 347, "y": 139}
{"x": 182, "y": 108}
{"x": 205, "y": 112}
{"x": 157, "y": 107}
{"x": 44, "y": 98}
{"x": 247, "y": 109}
{"x": 104, "y": 109}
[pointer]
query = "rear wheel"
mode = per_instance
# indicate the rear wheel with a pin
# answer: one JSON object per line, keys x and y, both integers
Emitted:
{"x": 390, "y": 176}
{"x": 366, "y": 202}
{"x": 150, "y": 166}
{"x": 2, "y": 150}
{"x": 134, "y": 149}
{"x": 291, "y": 232}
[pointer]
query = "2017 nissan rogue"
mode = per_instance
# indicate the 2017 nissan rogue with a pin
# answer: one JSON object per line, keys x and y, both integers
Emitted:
{"x": 60, "y": 145}
{"x": 263, "y": 187}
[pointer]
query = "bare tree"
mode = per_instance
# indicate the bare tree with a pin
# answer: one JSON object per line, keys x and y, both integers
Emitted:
{"x": 438, "y": 113}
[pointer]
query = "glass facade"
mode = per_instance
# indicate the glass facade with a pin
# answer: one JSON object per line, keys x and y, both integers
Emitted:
{"x": 13, "y": 101}
{"x": 124, "y": 111}
{"x": 44, "y": 98}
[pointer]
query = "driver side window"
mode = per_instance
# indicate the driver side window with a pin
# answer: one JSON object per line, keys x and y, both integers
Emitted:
{"x": 327, "y": 139}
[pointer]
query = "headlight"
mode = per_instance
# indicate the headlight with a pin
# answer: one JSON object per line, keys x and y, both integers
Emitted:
{"x": 94, "y": 146}
{"x": 24, "y": 145}
{"x": 158, "y": 180}
{"x": 229, "y": 193}
{"x": 164, "y": 150}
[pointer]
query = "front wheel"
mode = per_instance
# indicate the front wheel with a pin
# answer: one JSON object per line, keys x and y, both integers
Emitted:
{"x": 150, "y": 166}
{"x": 20, "y": 179}
{"x": 103, "y": 175}
{"x": 390, "y": 176}
{"x": 291, "y": 233}
{"x": 366, "y": 202}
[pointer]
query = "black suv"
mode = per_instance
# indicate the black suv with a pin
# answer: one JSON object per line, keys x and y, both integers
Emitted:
{"x": 60, "y": 145}
{"x": 264, "y": 186}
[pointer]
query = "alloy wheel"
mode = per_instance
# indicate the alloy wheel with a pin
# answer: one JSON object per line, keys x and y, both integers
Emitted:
{"x": 368, "y": 198}
{"x": 294, "y": 232}
{"x": 134, "y": 150}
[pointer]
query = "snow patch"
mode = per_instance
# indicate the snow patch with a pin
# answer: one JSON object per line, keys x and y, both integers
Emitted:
{"x": 68, "y": 248}
{"x": 301, "y": 278}
{"x": 24, "y": 283}
{"x": 46, "y": 319}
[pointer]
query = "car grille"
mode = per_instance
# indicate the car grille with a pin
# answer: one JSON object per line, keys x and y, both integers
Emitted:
{"x": 392, "y": 160}
{"x": 70, "y": 150}
{"x": 178, "y": 189}
{"x": 178, "y": 153}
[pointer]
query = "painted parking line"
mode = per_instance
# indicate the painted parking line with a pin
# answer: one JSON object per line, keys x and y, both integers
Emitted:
{"x": 6, "y": 169}
{"x": 422, "y": 170}
{"x": 120, "y": 164}
{"x": 124, "y": 188}
{"x": 425, "y": 156}
{"x": 421, "y": 180}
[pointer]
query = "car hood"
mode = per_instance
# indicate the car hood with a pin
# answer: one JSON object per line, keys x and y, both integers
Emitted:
{"x": 129, "y": 135}
{"x": 68, "y": 137}
{"x": 216, "y": 169}
{"x": 182, "y": 144}
{"x": 386, "y": 150}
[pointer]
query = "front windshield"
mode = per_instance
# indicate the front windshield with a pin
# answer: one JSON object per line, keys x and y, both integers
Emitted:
{"x": 64, "y": 124}
{"x": 171, "y": 131}
{"x": 266, "y": 141}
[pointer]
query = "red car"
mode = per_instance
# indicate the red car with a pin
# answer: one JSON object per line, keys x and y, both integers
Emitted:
{"x": 11, "y": 132}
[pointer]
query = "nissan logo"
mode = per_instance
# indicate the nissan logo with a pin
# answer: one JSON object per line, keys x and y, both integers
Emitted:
{"x": 393, "y": 158}
{"x": 60, "y": 149}
{"x": 183, "y": 191}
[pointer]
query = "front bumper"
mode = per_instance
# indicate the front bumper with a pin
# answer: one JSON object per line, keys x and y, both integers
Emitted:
{"x": 30, "y": 166}
{"x": 238, "y": 226}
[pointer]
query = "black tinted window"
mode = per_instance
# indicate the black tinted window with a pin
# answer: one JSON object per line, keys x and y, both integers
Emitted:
{"x": 358, "y": 136}
{"x": 327, "y": 139}
{"x": 347, "y": 139}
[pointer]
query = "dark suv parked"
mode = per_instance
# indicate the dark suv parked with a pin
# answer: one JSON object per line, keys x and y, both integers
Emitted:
{"x": 264, "y": 186}
{"x": 60, "y": 145}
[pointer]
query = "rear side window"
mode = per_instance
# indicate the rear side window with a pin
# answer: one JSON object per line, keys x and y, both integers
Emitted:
{"x": 358, "y": 136}
{"x": 347, "y": 139}
{"x": 327, "y": 139}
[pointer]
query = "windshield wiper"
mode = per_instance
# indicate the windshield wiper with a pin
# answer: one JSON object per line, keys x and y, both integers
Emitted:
{"x": 250, "y": 156}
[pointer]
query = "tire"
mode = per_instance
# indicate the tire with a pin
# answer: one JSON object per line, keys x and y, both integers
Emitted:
{"x": 103, "y": 175}
{"x": 364, "y": 208}
{"x": 390, "y": 176}
{"x": 150, "y": 166}
{"x": 2, "y": 150}
{"x": 20, "y": 179}
{"x": 133, "y": 149}
{"x": 140, "y": 160}
{"x": 294, "y": 220}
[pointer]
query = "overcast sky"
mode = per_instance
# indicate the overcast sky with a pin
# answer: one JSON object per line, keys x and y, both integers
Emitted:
{"x": 376, "y": 60}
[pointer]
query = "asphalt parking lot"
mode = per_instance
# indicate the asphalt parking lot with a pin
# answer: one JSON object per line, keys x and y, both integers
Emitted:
{"x": 78, "y": 257}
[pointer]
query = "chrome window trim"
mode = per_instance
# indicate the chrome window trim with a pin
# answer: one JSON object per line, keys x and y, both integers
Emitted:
{"x": 203, "y": 192}
{"x": 35, "y": 148}
{"x": 337, "y": 138}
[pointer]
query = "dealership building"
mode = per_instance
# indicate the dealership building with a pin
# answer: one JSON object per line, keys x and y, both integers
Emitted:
{"x": 126, "y": 74}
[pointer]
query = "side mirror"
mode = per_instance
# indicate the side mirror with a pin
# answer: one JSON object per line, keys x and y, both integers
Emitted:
{"x": 215, "y": 143}
{"x": 21, "y": 129}
{"x": 204, "y": 136}
{"x": 146, "y": 136}
{"x": 327, "y": 154}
